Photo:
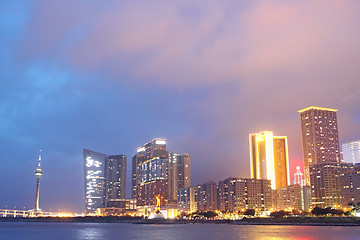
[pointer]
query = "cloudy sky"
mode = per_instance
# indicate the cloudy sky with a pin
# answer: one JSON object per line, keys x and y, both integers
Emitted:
{"x": 112, "y": 75}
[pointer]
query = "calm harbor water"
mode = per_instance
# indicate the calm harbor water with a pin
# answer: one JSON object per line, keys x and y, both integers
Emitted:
{"x": 113, "y": 231}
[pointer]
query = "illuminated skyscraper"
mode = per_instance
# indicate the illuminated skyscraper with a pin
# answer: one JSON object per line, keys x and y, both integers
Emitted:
{"x": 157, "y": 171}
{"x": 105, "y": 179}
{"x": 269, "y": 158}
{"x": 320, "y": 137}
{"x": 115, "y": 177}
{"x": 351, "y": 152}
{"x": 94, "y": 169}
{"x": 321, "y": 153}
{"x": 148, "y": 163}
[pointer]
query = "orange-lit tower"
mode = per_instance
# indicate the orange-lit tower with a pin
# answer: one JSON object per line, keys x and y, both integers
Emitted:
{"x": 320, "y": 137}
{"x": 269, "y": 158}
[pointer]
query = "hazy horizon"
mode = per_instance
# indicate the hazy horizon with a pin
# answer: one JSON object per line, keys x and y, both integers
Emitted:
{"x": 111, "y": 76}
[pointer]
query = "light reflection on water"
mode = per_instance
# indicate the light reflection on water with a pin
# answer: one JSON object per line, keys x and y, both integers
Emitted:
{"x": 114, "y": 231}
{"x": 91, "y": 233}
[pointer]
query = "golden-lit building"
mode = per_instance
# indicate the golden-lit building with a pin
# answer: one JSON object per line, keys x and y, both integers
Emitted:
{"x": 269, "y": 158}
{"x": 320, "y": 137}
{"x": 321, "y": 153}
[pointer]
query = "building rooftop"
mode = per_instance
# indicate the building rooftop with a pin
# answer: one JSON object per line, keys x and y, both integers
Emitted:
{"x": 317, "y": 108}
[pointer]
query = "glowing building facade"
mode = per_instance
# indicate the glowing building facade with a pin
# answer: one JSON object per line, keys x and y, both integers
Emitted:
{"x": 269, "y": 158}
{"x": 105, "y": 179}
{"x": 161, "y": 170}
{"x": 320, "y": 137}
{"x": 94, "y": 169}
{"x": 149, "y": 164}
{"x": 351, "y": 152}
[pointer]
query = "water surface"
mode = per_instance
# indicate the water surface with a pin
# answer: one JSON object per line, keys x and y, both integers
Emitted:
{"x": 113, "y": 231}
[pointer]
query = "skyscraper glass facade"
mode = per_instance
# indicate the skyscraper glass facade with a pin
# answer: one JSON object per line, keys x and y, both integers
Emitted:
{"x": 105, "y": 179}
{"x": 94, "y": 169}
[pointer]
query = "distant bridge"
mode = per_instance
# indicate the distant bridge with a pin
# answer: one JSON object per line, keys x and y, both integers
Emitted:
{"x": 25, "y": 213}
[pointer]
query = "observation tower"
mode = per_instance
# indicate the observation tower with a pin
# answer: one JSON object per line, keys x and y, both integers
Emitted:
{"x": 38, "y": 174}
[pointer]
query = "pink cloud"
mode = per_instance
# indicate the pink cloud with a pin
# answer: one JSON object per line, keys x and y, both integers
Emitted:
{"x": 278, "y": 56}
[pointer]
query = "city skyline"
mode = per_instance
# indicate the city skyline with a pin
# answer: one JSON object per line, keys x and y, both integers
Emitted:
{"x": 110, "y": 76}
{"x": 154, "y": 149}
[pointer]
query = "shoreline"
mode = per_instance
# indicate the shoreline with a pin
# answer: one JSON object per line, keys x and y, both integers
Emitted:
{"x": 291, "y": 221}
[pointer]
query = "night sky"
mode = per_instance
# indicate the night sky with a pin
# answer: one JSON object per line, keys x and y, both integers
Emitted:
{"x": 112, "y": 75}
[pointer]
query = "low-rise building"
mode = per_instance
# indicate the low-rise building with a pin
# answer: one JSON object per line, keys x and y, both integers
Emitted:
{"x": 186, "y": 201}
{"x": 119, "y": 207}
{"x": 206, "y": 196}
{"x": 239, "y": 194}
{"x": 350, "y": 187}
{"x": 292, "y": 197}
{"x": 325, "y": 183}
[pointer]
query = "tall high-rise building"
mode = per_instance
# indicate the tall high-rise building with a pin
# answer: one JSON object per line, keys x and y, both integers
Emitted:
{"x": 115, "y": 177}
{"x": 351, "y": 152}
{"x": 238, "y": 194}
{"x": 178, "y": 173}
{"x": 94, "y": 169}
{"x": 320, "y": 137}
{"x": 105, "y": 179}
{"x": 148, "y": 163}
{"x": 269, "y": 158}
{"x": 156, "y": 168}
